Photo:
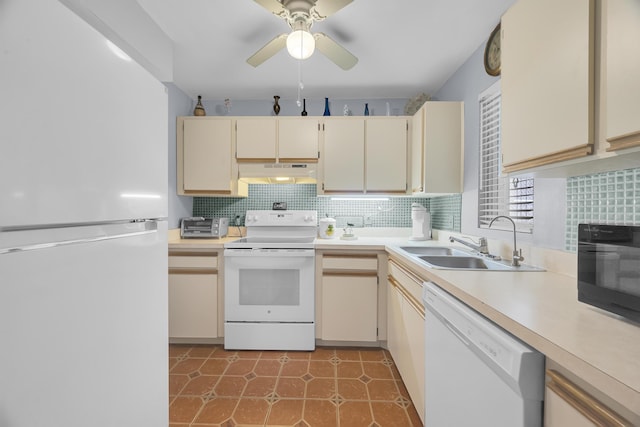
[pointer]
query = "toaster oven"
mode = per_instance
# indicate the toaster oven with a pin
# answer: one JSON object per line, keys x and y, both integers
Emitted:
{"x": 200, "y": 227}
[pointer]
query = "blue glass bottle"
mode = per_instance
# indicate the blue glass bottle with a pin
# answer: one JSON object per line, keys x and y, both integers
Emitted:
{"x": 366, "y": 109}
{"x": 326, "y": 107}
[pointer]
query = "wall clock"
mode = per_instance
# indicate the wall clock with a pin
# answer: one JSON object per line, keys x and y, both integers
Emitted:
{"x": 492, "y": 53}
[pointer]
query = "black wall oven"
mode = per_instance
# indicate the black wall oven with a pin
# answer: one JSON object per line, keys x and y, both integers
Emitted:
{"x": 609, "y": 268}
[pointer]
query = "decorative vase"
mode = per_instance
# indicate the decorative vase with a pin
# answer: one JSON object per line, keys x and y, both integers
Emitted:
{"x": 326, "y": 107}
{"x": 199, "y": 110}
{"x": 276, "y": 106}
{"x": 366, "y": 109}
{"x": 304, "y": 107}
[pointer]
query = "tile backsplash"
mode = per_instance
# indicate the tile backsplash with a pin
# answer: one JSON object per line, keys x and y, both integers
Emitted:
{"x": 395, "y": 212}
{"x": 605, "y": 198}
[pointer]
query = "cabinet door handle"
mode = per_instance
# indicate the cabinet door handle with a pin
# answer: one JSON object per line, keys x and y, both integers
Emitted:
{"x": 584, "y": 403}
{"x": 181, "y": 270}
{"x": 410, "y": 299}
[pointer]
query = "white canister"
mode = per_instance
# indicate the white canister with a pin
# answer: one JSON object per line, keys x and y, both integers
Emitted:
{"x": 327, "y": 228}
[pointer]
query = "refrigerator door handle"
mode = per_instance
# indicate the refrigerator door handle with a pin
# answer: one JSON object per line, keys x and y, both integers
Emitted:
{"x": 147, "y": 227}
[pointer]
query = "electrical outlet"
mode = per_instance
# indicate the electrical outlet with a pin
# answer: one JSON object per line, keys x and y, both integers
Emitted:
{"x": 368, "y": 219}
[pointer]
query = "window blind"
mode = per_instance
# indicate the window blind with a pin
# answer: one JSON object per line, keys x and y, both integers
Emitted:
{"x": 499, "y": 195}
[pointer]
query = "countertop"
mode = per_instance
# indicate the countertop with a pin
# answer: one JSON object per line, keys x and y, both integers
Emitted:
{"x": 540, "y": 308}
{"x": 176, "y": 242}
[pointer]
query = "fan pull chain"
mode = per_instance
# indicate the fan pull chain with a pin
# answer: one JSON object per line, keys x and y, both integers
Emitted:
{"x": 300, "y": 84}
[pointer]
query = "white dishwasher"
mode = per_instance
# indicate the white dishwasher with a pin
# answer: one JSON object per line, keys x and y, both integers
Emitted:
{"x": 477, "y": 374}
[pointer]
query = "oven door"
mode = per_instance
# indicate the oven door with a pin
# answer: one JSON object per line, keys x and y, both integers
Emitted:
{"x": 269, "y": 285}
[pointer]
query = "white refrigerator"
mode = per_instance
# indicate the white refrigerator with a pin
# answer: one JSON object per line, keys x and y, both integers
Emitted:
{"x": 83, "y": 207}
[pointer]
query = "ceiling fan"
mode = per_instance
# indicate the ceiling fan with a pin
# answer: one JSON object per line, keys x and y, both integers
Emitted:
{"x": 300, "y": 15}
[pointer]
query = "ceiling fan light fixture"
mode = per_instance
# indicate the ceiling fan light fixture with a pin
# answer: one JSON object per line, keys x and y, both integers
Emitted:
{"x": 300, "y": 44}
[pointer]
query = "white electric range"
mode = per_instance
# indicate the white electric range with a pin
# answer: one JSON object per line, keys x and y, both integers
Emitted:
{"x": 270, "y": 282}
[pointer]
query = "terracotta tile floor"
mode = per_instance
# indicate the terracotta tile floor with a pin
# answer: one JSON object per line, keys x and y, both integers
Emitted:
{"x": 344, "y": 387}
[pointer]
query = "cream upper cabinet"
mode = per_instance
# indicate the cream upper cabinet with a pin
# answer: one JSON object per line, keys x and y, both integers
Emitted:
{"x": 386, "y": 155}
{"x": 547, "y": 82}
{"x": 298, "y": 139}
{"x": 437, "y": 140}
{"x": 204, "y": 156}
{"x": 342, "y": 155}
{"x": 622, "y": 60}
{"x": 271, "y": 139}
{"x": 364, "y": 155}
{"x": 256, "y": 139}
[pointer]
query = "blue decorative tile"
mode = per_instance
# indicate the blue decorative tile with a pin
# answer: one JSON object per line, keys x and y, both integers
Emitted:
{"x": 609, "y": 198}
{"x": 395, "y": 212}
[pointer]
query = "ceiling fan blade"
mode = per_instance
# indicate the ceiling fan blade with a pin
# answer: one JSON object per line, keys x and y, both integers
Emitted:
{"x": 273, "y": 6}
{"x": 326, "y": 8}
{"x": 268, "y": 50}
{"x": 332, "y": 50}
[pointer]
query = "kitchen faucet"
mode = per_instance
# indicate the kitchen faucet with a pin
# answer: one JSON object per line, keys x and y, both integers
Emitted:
{"x": 517, "y": 254}
{"x": 480, "y": 247}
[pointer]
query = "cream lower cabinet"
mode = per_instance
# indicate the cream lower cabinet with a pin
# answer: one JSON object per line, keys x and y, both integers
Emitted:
{"x": 621, "y": 33}
{"x": 566, "y": 404}
{"x": 193, "y": 294}
{"x": 204, "y": 154}
{"x": 405, "y": 330}
{"x": 348, "y": 296}
{"x": 547, "y": 81}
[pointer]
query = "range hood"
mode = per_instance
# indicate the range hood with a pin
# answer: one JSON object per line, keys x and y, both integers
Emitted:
{"x": 277, "y": 173}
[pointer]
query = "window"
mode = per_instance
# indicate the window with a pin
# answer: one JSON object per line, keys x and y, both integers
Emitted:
{"x": 499, "y": 195}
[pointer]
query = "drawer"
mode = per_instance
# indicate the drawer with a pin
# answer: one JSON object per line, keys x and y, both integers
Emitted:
{"x": 409, "y": 281}
{"x": 193, "y": 260}
{"x": 350, "y": 262}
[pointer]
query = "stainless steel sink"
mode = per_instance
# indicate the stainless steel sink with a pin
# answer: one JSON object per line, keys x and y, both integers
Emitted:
{"x": 455, "y": 262}
{"x": 433, "y": 250}
{"x": 465, "y": 262}
{"x": 448, "y": 258}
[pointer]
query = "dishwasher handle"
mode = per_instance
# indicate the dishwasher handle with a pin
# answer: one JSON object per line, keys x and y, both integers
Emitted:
{"x": 455, "y": 332}
{"x": 429, "y": 299}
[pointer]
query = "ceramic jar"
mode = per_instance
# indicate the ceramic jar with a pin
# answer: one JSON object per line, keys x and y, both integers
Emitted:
{"x": 327, "y": 228}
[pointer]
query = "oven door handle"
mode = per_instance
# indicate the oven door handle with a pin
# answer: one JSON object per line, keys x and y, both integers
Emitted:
{"x": 269, "y": 253}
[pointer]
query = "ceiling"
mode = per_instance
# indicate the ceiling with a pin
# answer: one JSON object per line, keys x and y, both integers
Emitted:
{"x": 404, "y": 47}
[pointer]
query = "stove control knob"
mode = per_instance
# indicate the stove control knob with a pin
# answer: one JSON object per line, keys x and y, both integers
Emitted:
{"x": 308, "y": 218}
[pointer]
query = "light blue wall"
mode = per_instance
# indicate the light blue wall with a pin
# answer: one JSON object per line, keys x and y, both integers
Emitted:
{"x": 179, "y": 105}
{"x": 466, "y": 84}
